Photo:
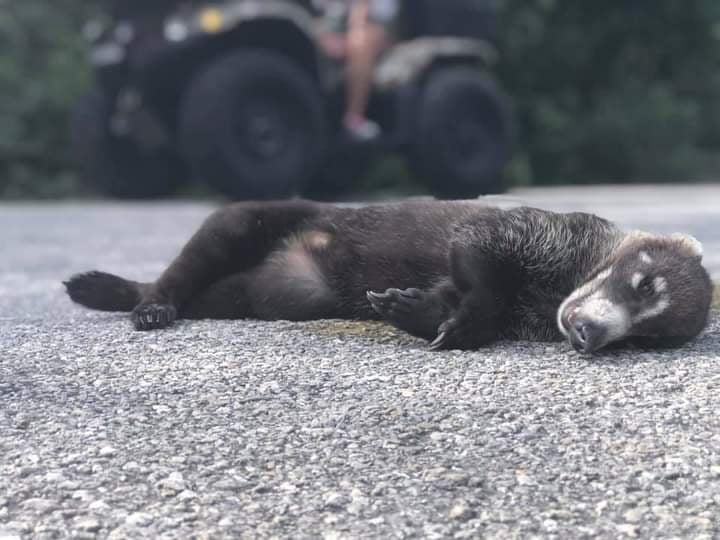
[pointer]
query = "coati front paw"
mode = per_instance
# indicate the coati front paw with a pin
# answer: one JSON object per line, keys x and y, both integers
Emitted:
{"x": 153, "y": 316}
{"x": 412, "y": 310}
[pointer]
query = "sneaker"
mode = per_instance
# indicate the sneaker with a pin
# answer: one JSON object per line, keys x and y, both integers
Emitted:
{"x": 362, "y": 129}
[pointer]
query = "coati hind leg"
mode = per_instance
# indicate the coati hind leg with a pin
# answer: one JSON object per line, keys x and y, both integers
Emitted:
{"x": 287, "y": 285}
{"x": 233, "y": 240}
{"x": 227, "y": 298}
{"x": 283, "y": 287}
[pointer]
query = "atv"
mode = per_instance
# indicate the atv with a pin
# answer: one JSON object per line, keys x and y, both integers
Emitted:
{"x": 239, "y": 94}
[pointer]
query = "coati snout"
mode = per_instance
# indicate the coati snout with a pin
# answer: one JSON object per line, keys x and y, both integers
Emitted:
{"x": 459, "y": 274}
{"x": 653, "y": 291}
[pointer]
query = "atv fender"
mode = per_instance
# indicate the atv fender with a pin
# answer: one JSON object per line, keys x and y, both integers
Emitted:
{"x": 246, "y": 24}
{"x": 407, "y": 62}
{"x": 224, "y": 18}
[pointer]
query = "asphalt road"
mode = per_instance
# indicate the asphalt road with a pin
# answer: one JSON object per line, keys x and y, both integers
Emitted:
{"x": 336, "y": 430}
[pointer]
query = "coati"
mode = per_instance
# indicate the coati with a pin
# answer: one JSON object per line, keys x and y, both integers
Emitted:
{"x": 459, "y": 274}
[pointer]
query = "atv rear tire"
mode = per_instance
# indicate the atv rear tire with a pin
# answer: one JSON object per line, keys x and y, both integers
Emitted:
{"x": 117, "y": 166}
{"x": 252, "y": 125}
{"x": 463, "y": 134}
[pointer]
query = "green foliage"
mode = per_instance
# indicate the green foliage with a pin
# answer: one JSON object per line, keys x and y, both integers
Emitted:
{"x": 613, "y": 90}
{"x": 43, "y": 69}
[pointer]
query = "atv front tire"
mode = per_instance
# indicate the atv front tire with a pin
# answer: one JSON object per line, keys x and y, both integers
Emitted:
{"x": 252, "y": 125}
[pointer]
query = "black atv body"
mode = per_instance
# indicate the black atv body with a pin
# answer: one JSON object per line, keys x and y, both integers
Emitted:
{"x": 239, "y": 94}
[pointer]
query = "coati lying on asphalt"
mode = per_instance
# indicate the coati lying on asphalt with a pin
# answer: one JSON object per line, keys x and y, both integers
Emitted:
{"x": 460, "y": 274}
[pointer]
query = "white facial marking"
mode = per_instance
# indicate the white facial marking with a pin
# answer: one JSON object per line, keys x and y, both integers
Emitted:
{"x": 634, "y": 236}
{"x": 613, "y": 317}
{"x": 584, "y": 290}
{"x": 637, "y": 277}
{"x": 660, "y": 284}
{"x": 644, "y": 257}
{"x": 559, "y": 322}
{"x": 658, "y": 309}
{"x": 602, "y": 276}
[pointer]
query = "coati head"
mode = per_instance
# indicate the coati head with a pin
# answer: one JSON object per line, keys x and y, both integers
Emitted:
{"x": 653, "y": 290}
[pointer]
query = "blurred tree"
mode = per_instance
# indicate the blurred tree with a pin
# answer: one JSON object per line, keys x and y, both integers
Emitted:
{"x": 43, "y": 69}
{"x": 614, "y": 90}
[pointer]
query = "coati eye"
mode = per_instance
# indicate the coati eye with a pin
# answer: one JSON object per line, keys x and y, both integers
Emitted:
{"x": 646, "y": 287}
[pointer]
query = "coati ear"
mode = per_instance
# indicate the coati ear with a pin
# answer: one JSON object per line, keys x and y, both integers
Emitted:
{"x": 689, "y": 243}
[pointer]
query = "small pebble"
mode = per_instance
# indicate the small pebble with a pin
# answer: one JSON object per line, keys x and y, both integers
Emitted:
{"x": 107, "y": 451}
{"x": 461, "y": 511}
{"x": 88, "y": 524}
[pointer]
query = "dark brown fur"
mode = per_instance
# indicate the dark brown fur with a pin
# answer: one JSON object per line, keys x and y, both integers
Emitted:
{"x": 459, "y": 271}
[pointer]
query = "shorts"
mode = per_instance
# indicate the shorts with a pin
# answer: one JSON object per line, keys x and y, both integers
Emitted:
{"x": 383, "y": 12}
{"x": 380, "y": 12}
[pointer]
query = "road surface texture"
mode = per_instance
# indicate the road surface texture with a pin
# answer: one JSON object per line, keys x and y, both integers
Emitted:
{"x": 335, "y": 430}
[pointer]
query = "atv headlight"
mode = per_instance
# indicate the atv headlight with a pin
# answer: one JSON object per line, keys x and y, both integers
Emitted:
{"x": 211, "y": 20}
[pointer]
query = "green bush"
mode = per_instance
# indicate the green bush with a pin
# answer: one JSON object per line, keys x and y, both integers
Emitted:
{"x": 43, "y": 69}
{"x": 613, "y": 90}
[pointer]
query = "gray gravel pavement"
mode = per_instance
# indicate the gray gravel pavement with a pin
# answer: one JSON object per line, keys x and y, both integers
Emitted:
{"x": 331, "y": 429}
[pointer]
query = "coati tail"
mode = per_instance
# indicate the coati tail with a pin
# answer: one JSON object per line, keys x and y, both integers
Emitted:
{"x": 105, "y": 292}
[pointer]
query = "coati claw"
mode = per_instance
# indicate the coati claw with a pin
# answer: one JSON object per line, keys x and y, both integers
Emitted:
{"x": 447, "y": 335}
{"x": 439, "y": 342}
{"x": 376, "y": 299}
{"x": 153, "y": 316}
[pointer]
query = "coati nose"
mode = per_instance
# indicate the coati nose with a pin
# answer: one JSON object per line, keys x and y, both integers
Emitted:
{"x": 585, "y": 335}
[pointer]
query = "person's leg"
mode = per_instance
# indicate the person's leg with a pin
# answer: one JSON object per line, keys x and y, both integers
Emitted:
{"x": 366, "y": 40}
{"x": 334, "y": 45}
{"x": 332, "y": 29}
